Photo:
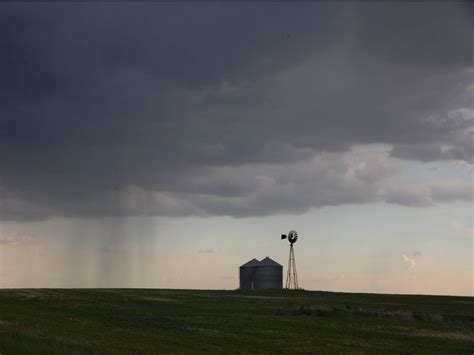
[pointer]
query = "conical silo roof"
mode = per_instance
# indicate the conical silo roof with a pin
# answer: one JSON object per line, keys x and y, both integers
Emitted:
{"x": 268, "y": 262}
{"x": 251, "y": 263}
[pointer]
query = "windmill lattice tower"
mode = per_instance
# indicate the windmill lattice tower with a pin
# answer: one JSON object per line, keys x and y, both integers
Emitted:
{"x": 291, "y": 275}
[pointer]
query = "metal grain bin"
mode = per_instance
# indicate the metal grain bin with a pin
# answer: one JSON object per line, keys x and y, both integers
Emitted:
{"x": 261, "y": 274}
{"x": 246, "y": 274}
{"x": 268, "y": 274}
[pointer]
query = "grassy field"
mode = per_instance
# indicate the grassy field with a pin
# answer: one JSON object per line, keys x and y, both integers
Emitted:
{"x": 136, "y": 321}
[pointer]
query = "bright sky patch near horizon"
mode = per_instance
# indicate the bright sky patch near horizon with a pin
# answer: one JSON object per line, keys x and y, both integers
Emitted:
{"x": 164, "y": 145}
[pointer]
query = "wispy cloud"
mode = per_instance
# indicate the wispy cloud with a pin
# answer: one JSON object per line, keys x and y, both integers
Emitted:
{"x": 207, "y": 251}
{"x": 460, "y": 227}
{"x": 427, "y": 193}
{"x": 16, "y": 238}
{"x": 409, "y": 260}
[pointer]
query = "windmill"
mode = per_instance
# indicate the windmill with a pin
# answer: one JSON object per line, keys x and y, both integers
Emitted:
{"x": 291, "y": 276}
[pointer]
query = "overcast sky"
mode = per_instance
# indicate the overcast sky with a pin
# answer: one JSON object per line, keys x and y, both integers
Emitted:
{"x": 163, "y": 145}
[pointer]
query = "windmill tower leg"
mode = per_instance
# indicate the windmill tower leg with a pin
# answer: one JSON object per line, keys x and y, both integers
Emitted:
{"x": 288, "y": 271}
{"x": 291, "y": 276}
{"x": 295, "y": 275}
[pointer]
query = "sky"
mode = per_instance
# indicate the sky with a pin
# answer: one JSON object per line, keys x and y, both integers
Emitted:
{"x": 165, "y": 144}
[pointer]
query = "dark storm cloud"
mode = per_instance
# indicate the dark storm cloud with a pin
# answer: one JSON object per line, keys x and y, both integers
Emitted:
{"x": 155, "y": 108}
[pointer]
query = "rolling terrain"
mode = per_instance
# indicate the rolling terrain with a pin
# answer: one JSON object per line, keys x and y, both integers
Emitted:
{"x": 142, "y": 321}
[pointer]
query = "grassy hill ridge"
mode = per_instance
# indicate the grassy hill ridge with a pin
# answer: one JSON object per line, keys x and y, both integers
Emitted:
{"x": 142, "y": 321}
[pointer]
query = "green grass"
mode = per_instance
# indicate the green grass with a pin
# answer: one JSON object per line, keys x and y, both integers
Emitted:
{"x": 137, "y": 321}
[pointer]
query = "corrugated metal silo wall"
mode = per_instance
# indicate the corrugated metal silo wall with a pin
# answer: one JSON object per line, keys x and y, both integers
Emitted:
{"x": 268, "y": 277}
{"x": 246, "y": 278}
